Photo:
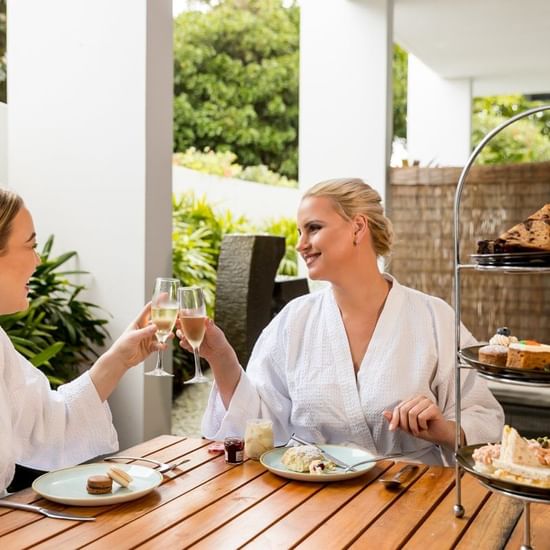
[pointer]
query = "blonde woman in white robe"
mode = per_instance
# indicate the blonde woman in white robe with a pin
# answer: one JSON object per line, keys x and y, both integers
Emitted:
{"x": 366, "y": 362}
{"x": 41, "y": 428}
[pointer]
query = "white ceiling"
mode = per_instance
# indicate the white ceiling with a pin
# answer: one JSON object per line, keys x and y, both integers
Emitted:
{"x": 498, "y": 43}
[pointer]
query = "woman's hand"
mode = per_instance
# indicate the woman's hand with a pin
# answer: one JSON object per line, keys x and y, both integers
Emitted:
{"x": 220, "y": 356}
{"x": 214, "y": 346}
{"x": 138, "y": 341}
{"x": 421, "y": 417}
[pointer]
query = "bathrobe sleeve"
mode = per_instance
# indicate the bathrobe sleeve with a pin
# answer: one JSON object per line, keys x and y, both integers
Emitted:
{"x": 262, "y": 391}
{"x": 51, "y": 429}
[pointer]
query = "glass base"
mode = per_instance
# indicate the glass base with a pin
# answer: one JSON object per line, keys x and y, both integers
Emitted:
{"x": 197, "y": 380}
{"x": 158, "y": 372}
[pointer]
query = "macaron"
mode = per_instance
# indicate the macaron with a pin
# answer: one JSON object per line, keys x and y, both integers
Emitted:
{"x": 99, "y": 485}
{"x": 120, "y": 476}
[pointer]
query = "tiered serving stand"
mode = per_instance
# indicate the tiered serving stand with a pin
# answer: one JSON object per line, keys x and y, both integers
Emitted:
{"x": 466, "y": 358}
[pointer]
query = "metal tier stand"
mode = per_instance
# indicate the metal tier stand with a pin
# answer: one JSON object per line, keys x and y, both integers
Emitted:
{"x": 459, "y": 364}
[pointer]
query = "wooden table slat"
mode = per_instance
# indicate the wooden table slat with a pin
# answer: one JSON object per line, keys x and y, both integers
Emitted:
{"x": 442, "y": 529}
{"x": 346, "y": 524}
{"x": 396, "y": 524}
{"x": 492, "y": 525}
{"x": 192, "y": 528}
{"x": 302, "y": 521}
{"x": 540, "y": 529}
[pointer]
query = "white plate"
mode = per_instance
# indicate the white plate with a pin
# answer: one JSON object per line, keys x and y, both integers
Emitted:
{"x": 272, "y": 461}
{"x": 68, "y": 486}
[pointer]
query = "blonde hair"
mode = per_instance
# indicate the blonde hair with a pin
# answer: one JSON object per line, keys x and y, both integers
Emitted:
{"x": 10, "y": 204}
{"x": 352, "y": 196}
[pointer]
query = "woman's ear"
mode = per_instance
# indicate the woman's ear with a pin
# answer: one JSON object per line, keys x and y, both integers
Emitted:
{"x": 360, "y": 228}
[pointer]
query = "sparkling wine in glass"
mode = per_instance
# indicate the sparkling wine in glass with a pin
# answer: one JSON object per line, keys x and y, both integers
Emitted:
{"x": 193, "y": 323}
{"x": 164, "y": 312}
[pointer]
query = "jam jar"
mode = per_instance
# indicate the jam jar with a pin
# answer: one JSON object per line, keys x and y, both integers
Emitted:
{"x": 234, "y": 449}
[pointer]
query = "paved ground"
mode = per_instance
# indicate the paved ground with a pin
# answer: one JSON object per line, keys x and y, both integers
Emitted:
{"x": 188, "y": 408}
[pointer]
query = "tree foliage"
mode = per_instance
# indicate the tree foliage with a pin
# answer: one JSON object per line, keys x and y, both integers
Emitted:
{"x": 400, "y": 72}
{"x": 527, "y": 140}
{"x": 236, "y": 82}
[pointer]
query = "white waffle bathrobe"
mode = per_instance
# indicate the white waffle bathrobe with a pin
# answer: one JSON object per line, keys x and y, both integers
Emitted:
{"x": 46, "y": 429}
{"x": 301, "y": 376}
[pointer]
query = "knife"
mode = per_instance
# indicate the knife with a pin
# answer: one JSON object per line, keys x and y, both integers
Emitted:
{"x": 44, "y": 511}
{"x": 332, "y": 458}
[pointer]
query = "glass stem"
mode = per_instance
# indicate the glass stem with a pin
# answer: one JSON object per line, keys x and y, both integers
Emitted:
{"x": 159, "y": 360}
{"x": 198, "y": 372}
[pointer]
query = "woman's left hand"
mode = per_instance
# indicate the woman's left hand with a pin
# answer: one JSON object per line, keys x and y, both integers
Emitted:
{"x": 421, "y": 417}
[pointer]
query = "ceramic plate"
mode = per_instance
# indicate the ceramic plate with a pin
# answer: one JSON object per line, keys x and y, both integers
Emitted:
{"x": 470, "y": 355}
{"x": 68, "y": 486}
{"x": 525, "y": 259}
{"x": 272, "y": 461}
{"x": 465, "y": 459}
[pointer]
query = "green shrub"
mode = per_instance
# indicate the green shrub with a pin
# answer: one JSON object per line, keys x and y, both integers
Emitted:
{"x": 58, "y": 332}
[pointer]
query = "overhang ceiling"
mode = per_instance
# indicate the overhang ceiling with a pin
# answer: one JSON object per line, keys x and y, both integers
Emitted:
{"x": 503, "y": 43}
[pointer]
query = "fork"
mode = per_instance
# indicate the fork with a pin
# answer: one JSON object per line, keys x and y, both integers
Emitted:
{"x": 161, "y": 467}
{"x": 44, "y": 511}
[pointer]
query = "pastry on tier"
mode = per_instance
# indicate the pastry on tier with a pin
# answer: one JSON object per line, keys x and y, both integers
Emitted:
{"x": 531, "y": 235}
{"x": 516, "y": 459}
{"x": 528, "y": 354}
{"x": 496, "y": 353}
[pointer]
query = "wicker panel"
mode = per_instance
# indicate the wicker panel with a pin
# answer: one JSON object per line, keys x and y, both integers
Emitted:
{"x": 494, "y": 199}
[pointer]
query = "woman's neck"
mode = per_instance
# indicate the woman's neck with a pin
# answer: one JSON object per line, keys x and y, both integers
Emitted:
{"x": 363, "y": 293}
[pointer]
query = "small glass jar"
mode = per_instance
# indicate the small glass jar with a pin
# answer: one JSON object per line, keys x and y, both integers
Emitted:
{"x": 234, "y": 450}
{"x": 258, "y": 437}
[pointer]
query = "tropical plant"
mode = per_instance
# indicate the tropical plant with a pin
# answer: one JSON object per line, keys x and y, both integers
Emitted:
{"x": 287, "y": 228}
{"x": 400, "y": 79}
{"x": 236, "y": 82}
{"x": 58, "y": 332}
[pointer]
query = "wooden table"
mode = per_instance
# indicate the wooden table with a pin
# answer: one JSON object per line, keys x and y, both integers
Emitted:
{"x": 210, "y": 504}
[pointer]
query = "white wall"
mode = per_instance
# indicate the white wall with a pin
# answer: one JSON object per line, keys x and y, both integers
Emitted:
{"x": 439, "y": 117}
{"x": 90, "y": 151}
{"x": 345, "y": 90}
{"x": 257, "y": 201}
{"x": 3, "y": 145}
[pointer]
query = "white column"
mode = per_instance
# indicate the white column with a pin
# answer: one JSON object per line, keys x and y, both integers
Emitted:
{"x": 90, "y": 135}
{"x": 439, "y": 117}
{"x": 345, "y": 90}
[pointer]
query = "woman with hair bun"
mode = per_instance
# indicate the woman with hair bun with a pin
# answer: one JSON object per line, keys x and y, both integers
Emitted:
{"x": 364, "y": 362}
{"x": 40, "y": 428}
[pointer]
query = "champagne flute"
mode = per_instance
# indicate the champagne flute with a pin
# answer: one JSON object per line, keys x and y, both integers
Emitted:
{"x": 164, "y": 312}
{"x": 193, "y": 324}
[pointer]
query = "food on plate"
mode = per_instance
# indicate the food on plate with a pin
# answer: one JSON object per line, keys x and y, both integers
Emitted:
{"x": 528, "y": 354}
{"x": 503, "y": 337}
{"x": 493, "y": 354}
{"x": 298, "y": 459}
{"x": 120, "y": 476}
{"x": 320, "y": 466}
{"x": 516, "y": 459}
{"x": 99, "y": 485}
{"x": 531, "y": 235}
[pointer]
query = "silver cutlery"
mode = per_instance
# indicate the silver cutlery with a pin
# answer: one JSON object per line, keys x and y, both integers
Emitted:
{"x": 374, "y": 459}
{"x": 395, "y": 481}
{"x": 332, "y": 458}
{"x": 41, "y": 510}
{"x": 161, "y": 467}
